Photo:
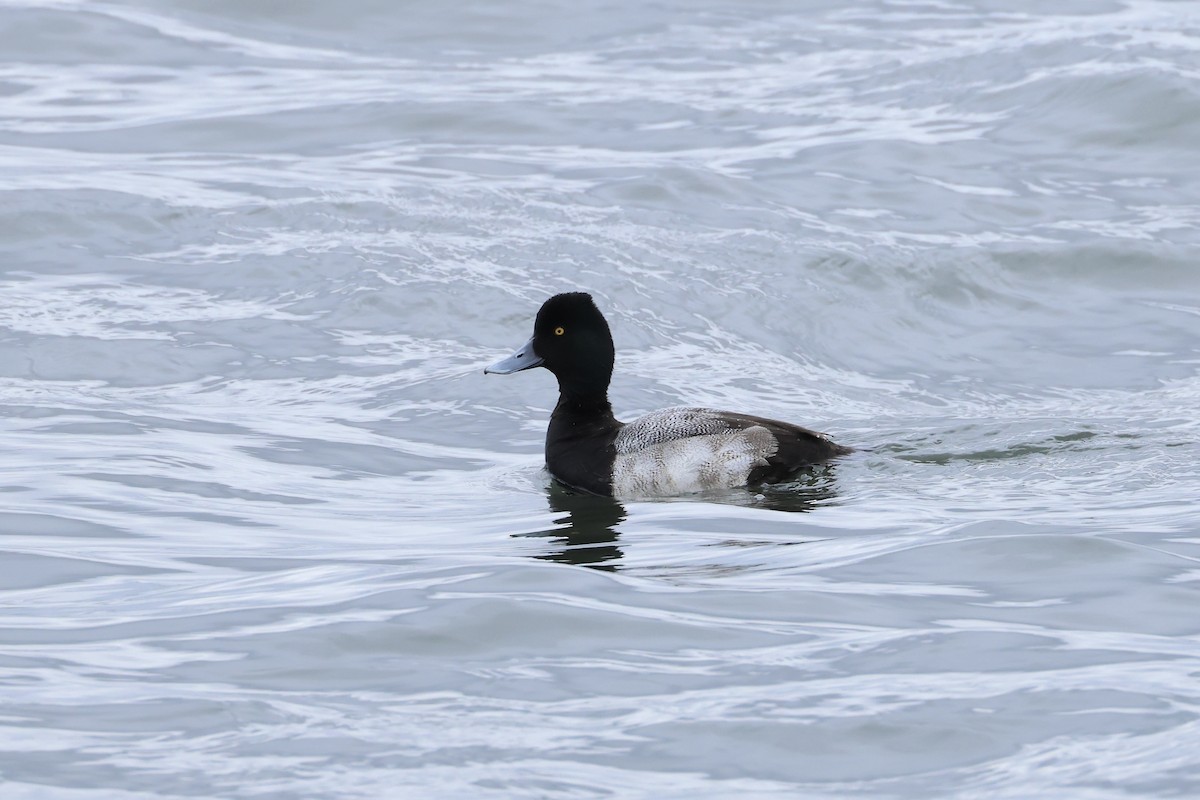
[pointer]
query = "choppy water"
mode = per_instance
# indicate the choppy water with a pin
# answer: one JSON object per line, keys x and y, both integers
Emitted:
{"x": 269, "y": 532}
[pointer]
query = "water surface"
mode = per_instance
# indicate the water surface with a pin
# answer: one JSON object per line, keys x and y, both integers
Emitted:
{"x": 268, "y": 531}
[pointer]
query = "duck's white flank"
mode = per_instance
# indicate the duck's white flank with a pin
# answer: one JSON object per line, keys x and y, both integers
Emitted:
{"x": 682, "y": 450}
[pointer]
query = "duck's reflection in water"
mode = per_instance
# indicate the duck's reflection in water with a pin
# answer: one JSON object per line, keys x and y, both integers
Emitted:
{"x": 805, "y": 491}
{"x": 587, "y": 534}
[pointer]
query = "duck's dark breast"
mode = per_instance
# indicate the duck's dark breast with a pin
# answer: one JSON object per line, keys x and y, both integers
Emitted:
{"x": 580, "y": 447}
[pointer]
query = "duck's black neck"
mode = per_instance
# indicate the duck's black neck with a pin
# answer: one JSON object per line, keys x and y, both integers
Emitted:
{"x": 589, "y": 406}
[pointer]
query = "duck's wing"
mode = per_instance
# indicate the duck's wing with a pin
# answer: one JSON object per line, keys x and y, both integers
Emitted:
{"x": 682, "y": 422}
{"x": 795, "y": 447}
{"x": 683, "y": 449}
{"x": 667, "y": 425}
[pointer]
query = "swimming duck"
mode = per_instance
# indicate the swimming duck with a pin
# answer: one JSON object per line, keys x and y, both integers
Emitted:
{"x": 668, "y": 452}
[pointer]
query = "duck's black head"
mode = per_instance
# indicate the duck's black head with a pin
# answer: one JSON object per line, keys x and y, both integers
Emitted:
{"x": 572, "y": 340}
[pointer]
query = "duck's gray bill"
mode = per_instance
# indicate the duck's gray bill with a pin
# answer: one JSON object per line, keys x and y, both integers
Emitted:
{"x": 524, "y": 358}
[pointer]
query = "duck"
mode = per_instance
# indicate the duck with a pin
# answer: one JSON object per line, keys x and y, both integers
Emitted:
{"x": 673, "y": 451}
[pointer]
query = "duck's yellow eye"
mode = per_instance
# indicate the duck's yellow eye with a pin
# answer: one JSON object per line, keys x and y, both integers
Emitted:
{"x": 559, "y": 331}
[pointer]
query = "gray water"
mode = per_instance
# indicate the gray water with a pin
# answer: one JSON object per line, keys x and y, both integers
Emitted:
{"x": 269, "y": 532}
